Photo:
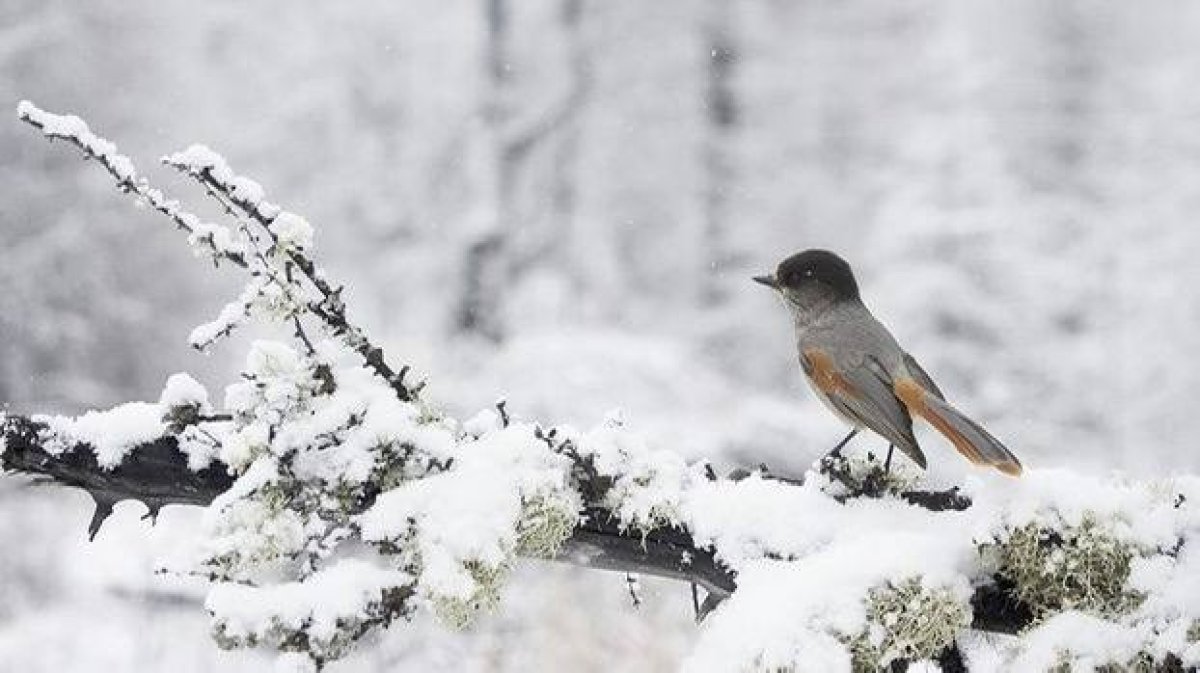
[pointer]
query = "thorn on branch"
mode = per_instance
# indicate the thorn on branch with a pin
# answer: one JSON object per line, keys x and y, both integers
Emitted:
{"x": 103, "y": 509}
{"x": 711, "y": 602}
{"x": 152, "y": 510}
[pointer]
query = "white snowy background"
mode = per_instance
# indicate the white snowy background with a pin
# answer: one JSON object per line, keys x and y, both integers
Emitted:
{"x": 1014, "y": 182}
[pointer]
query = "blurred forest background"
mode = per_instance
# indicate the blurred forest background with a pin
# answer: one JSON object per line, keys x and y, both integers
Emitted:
{"x": 561, "y": 202}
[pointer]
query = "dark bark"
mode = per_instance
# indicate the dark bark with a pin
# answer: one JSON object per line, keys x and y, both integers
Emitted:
{"x": 600, "y": 543}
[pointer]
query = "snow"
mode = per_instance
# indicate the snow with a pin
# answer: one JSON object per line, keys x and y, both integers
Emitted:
{"x": 232, "y": 315}
{"x": 183, "y": 390}
{"x": 215, "y": 237}
{"x": 1085, "y": 640}
{"x": 198, "y": 159}
{"x": 111, "y": 434}
{"x": 292, "y": 231}
{"x": 470, "y": 512}
{"x": 73, "y": 128}
{"x": 340, "y": 593}
{"x": 805, "y": 561}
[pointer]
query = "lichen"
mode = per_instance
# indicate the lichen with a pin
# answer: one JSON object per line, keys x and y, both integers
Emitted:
{"x": 907, "y": 621}
{"x": 1082, "y": 567}
{"x": 459, "y": 613}
{"x": 546, "y": 522}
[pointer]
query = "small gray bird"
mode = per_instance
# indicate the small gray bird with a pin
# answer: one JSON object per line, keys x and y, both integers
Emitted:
{"x": 859, "y": 371}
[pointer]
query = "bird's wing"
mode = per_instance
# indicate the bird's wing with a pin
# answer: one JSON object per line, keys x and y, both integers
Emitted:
{"x": 922, "y": 377}
{"x": 863, "y": 392}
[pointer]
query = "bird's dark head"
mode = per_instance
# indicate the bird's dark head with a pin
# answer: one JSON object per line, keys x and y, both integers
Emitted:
{"x": 813, "y": 275}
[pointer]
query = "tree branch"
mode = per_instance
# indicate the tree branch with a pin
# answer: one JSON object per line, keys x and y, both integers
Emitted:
{"x": 156, "y": 473}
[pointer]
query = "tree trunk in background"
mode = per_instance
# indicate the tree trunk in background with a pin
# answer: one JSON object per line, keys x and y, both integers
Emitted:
{"x": 529, "y": 173}
{"x": 544, "y": 153}
{"x": 721, "y": 121}
{"x": 484, "y": 265}
{"x": 564, "y": 192}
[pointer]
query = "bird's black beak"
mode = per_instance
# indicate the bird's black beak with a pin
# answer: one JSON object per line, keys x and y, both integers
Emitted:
{"x": 767, "y": 280}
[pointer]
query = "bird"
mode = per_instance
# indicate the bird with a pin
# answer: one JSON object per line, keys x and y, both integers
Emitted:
{"x": 859, "y": 371}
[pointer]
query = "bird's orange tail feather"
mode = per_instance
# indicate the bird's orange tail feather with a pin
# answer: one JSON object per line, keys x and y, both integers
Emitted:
{"x": 967, "y": 436}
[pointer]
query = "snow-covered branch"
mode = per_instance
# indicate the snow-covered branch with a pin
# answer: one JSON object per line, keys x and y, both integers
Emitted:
{"x": 155, "y": 471}
{"x": 339, "y": 502}
{"x": 217, "y": 241}
{"x": 291, "y": 238}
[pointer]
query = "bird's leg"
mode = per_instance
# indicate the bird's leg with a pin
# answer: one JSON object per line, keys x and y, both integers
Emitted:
{"x": 837, "y": 450}
{"x": 887, "y": 464}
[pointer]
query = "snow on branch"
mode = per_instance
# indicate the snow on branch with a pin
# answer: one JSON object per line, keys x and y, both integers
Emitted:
{"x": 338, "y": 502}
{"x": 215, "y": 240}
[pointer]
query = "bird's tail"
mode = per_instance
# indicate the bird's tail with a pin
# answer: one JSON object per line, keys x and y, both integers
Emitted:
{"x": 971, "y": 440}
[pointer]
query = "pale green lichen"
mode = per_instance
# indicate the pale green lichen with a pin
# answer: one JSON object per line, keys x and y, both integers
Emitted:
{"x": 459, "y": 613}
{"x": 907, "y": 621}
{"x": 1082, "y": 567}
{"x": 545, "y": 523}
